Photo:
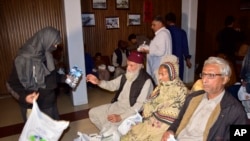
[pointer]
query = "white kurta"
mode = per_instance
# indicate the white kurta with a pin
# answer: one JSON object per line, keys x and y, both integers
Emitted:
{"x": 98, "y": 115}
{"x": 159, "y": 47}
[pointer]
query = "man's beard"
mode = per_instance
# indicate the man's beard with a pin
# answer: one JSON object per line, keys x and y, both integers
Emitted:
{"x": 131, "y": 76}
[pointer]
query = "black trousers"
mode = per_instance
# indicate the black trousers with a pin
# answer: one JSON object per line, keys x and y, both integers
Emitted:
{"x": 51, "y": 112}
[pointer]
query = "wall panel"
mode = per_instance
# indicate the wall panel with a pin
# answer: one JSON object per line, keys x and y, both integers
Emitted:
{"x": 19, "y": 20}
{"x": 211, "y": 16}
{"x": 99, "y": 39}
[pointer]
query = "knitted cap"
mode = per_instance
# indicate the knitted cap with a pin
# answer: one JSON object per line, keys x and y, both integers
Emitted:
{"x": 136, "y": 57}
{"x": 171, "y": 63}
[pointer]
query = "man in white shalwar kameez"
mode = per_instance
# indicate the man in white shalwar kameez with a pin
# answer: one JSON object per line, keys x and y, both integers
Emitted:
{"x": 131, "y": 94}
{"x": 160, "y": 46}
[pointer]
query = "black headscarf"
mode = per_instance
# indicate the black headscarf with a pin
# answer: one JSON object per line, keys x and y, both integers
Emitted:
{"x": 34, "y": 59}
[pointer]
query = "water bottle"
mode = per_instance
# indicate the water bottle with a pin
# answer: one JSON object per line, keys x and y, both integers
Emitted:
{"x": 74, "y": 77}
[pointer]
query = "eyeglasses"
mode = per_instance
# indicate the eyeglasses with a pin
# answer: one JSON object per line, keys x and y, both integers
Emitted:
{"x": 209, "y": 75}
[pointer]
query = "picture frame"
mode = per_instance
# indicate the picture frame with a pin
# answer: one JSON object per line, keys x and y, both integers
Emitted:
{"x": 244, "y": 4}
{"x": 99, "y": 4}
{"x": 88, "y": 19}
{"x": 122, "y": 4}
{"x": 112, "y": 22}
{"x": 134, "y": 19}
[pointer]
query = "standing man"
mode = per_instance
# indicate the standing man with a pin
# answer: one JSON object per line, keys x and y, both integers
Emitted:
{"x": 132, "y": 88}
{"x": 179, "y": 43}
{"x": 229, "y": 39}
{"x": 207, "y": 115}
{"x": 160, "y": 46}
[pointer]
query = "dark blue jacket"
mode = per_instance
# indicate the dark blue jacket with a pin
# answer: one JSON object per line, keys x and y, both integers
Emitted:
{"x": 179, "y": 46}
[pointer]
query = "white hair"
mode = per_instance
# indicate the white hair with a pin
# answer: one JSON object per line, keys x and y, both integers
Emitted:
{"x": 225, "y": 69}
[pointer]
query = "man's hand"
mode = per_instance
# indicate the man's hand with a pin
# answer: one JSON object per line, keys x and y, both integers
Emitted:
{"x": 93, "y": 79}
{"x": 144, "y": 50}
{"x": 166, "y": 135}
{"x": 29, "y": 98}
{"x": 114, "y": 118}
{"x": 188, "y": 63}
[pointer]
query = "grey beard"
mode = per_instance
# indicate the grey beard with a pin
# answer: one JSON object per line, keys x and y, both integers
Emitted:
{"x": 131, "y": 76}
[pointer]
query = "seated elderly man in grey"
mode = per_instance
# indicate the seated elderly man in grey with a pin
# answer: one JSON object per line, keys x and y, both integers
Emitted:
{"x": 207, "y": 115}
{"x": 132, "y": 88}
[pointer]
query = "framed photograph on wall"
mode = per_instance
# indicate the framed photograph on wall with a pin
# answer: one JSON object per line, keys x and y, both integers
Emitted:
{"x": 134, "y": 19}
{"x": 99, "y": 4}
{"x": 122, "y": 4}
{"x": 244, "y": 4}
{"x": 88, "y": 19}
{"x": 112, "y": 22}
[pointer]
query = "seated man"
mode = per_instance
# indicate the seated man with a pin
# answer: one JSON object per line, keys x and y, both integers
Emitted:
{"x": 89, "y": 63}
{"x": 89, "y": 66}
{"x": 101, "y": 67}
{"x": 162, "y": 106}
{"x": 244, "y": 91}
{"x": 119, "y": 58}
{"x": 132, "y": 89}
{"x": 245, "y": 71}
{"x": 207, "y": 115}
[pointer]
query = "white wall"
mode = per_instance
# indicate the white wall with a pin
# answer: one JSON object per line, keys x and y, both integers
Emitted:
{"x": 72, "y": 10}
{"x": 189, "y": 24}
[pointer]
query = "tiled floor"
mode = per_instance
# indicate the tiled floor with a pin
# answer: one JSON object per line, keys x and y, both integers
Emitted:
{"x": 11, "y": 121}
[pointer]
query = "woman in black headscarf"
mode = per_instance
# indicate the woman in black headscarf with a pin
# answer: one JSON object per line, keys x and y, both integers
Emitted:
{"x": 34, "y": 73}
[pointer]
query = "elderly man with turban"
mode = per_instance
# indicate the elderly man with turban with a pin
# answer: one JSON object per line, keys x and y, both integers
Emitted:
{"x": 162, "y": 106}
{"x": 132, "y": 89}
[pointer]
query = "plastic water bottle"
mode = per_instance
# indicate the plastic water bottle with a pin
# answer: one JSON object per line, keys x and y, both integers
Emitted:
{"x": 74, "y": 77}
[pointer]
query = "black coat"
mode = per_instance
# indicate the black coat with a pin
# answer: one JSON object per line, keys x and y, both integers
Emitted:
{"x": 231, "y": 113}
{"x": 47, "y": 97}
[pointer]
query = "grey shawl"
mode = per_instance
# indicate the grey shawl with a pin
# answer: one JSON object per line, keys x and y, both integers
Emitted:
{"x": 34, "y": 59}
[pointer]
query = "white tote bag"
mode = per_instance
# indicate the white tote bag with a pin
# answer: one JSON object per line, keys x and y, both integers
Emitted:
{"x": 245, "y": 99}
{"x": 242, "y": 94}
{"x": 127, "y": 124}
{"x": 40, "y": 126}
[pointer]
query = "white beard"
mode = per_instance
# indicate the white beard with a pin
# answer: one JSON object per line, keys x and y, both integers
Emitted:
{"x": 131, "y": 76}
